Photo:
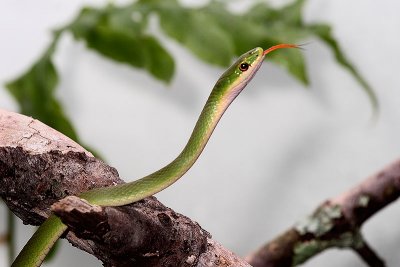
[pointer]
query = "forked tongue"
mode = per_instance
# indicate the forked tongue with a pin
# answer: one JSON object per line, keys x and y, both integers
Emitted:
{"x": 279, "y": 46}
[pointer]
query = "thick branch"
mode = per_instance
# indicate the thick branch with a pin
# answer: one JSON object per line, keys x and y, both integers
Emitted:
{"x": 335, "y": 223}
{"x": 39, "y": 166}
{"x": 149, "y": 235}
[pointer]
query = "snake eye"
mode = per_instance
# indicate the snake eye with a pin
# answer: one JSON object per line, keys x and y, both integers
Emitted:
{"x": 244, "y": 66}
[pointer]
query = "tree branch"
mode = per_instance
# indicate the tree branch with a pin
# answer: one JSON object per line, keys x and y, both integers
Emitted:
{"x": 335, "y": 223}
{"x": 369, "y": 255}
{"x": 39, "y": 167}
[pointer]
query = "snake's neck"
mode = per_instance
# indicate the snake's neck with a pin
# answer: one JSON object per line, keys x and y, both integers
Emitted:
{"x": 212, "y": 112}
{"x": 153, "y": 183}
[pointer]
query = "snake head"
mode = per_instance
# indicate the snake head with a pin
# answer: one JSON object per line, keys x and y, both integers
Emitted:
{"x": 236, "y": 77}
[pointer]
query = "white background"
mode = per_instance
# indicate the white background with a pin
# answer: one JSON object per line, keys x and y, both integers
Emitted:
{"x": 280, "y": 149}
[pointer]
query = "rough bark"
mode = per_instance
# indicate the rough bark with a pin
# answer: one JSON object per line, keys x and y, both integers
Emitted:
{"x": 335, "y": 223}
{"x": 39, "y": 166}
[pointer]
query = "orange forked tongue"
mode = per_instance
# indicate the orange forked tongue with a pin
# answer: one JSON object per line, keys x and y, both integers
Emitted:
{"x": 272, "y": 48}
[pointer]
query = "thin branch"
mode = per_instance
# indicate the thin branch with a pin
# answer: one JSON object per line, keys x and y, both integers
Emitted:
{"x": 369, "y": 256}
{"x": 335, "y": 223}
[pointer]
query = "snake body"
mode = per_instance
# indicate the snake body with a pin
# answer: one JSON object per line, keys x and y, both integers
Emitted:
{"x": 226, "y": 89}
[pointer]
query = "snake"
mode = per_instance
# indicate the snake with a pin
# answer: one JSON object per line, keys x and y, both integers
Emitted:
{"x": 226, "y": 89}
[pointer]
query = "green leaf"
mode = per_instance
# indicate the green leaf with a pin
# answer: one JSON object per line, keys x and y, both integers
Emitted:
{"x": 199, "y": 32}
{"x": 245, "y": 33}
{"x": 158, "y": 60}
{"x": 102, "y": 33}
{"x": 286, "y": 24}
{"x": 34, "y": 92}
{"x": 114, "y": 33}
{"x": 323, "y": 31}
{"x": 116, "y": 44}
{"x": 255, "y": 28}
{"x": 293, "y": 61}
{"x": 87, "y": 19}
{"x": 290, "y": 14}
{"x": 283, "y": 26}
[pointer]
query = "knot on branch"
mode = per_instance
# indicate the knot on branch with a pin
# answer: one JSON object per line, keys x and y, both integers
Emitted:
{"x": 79, "y": 215}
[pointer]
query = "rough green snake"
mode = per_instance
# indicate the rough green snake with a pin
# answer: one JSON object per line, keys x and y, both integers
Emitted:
{"x": 226, "y": 89}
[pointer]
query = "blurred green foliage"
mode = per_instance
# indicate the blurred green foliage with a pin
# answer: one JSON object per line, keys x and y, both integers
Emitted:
{"x": 34, "y": 92}
{"x": 212, "y": 32}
